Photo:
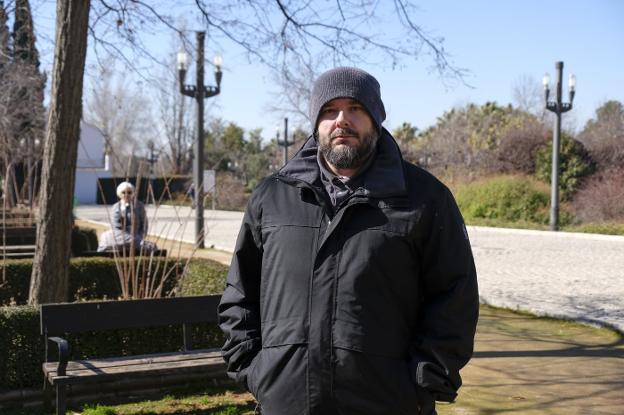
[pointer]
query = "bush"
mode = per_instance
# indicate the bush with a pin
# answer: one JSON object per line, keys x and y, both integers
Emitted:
{"x": 21, "y": 348}
{"x": 574, "y": 164}
{"x": 603, "y": 135}
{"x": 601, "y": 198}
{"x": 505, "y": 198}
{"x": 98, "y": 278}
{"x": 231, "y": 193}
{"x": 202, "y": 277}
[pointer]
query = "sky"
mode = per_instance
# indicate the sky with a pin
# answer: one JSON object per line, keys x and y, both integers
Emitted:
{"x": 498, "y": 42}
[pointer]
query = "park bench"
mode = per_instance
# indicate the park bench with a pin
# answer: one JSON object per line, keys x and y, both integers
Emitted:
{"x": 17, "y": 241}
{"x": 124, "y": 254}
{"x": 18, "y": 232}
{"x": 59, "y": 319}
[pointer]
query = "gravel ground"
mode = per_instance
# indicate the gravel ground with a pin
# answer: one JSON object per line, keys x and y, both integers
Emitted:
{"x": 567, "y": 275}
{"x": 558, "y": 274}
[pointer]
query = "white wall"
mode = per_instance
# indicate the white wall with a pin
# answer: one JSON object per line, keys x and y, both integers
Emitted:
{"x": 86, "y": 189}
{"x": 91, "y": 147}
{"x": 90, "y": 164}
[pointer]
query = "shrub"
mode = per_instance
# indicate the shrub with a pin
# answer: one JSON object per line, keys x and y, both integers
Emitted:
{"x": 601, "y": 198}
{"x": 230, "y": 195}
{"x": 574, "y": 164}
{"x": 603, "y": 135}
{"x": 21, "y": 347}
{"x": 506, "y": 198}
{"x": 482, "y": 140}
{"x": 202, "y": 277}
{"x": 97, "y": 278}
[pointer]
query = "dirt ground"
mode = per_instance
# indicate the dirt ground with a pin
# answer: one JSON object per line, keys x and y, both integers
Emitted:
{"x": 528, "y": 365}
{"x": 524, "y": 364}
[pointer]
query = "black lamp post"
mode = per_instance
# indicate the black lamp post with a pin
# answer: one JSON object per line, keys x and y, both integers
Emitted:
{"x": 284, "y": 143}
{"x": 199, "y": 91}
{"x": 558, "y": 108}
{"x": 152, "y": 158}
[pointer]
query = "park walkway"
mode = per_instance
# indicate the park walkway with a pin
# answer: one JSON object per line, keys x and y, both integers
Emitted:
{"x": 568, "y": 275}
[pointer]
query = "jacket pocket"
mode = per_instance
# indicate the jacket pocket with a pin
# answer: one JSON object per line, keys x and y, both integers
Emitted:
{"x": 373, "y": 385}
{"x": 373, "y": 339}
{"x": 251, "y": 378}
{"x": 278, "y": 380}
{"x": 284, "y": 331}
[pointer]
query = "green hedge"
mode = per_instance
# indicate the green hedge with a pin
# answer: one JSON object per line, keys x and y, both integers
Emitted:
{"x": 203, "y": 277}
{"x": 89, "y": 278}
{"x": 22, "y": 348}
{"x": 507, "y": 199}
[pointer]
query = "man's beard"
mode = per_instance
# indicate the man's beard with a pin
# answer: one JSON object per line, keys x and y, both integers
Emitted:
{"x": 346, "y": 156}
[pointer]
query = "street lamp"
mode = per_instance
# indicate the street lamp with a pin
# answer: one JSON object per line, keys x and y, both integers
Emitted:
{"x": 284, "y": 143}
{"x": 152, "y": 158}
{"x": 199, "y": 91}
{"x": 558, "y": 108}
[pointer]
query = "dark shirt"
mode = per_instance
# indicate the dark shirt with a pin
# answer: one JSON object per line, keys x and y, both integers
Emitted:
{"x": 340, "y": 188}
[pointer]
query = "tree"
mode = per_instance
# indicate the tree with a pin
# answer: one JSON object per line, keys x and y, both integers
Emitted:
{"x": 483, "y": 139}
{"x": 528, "y": 96}
{"x": 123, "y": 114}
{"x": 272, "y": 32}
{"x": 49, "y": 278}
{"x": 406, "y": 137}
{"x": 295, "y": 39}
{"x": 604, "y": 135}
{"x": 255, "y": 159}
{"x": 4, "y": 34}
{"x": 21, "y": 105}
{"x": 176, "y": 119}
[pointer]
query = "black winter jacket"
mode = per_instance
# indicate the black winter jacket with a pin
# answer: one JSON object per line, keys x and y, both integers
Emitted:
{"x": 371, "y": 311}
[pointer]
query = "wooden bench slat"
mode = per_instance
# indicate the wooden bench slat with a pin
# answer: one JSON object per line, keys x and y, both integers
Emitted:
{"x": 144, "y": 367}
{"x": 13, "y": 248}
{"x": 212, "y": 365}
{"x": 136, "y": 360}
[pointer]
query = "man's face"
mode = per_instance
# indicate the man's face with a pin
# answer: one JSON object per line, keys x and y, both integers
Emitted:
{"x": 347, "y": 136}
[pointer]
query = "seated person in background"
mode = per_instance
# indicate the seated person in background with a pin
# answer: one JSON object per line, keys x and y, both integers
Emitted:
{"x": 129, "y": 224}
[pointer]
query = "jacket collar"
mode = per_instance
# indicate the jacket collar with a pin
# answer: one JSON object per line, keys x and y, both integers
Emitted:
{"x": 384, "y": 178}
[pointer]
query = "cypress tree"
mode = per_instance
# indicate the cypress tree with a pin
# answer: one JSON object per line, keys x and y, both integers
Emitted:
{"x": 4, "y": 38}
{"x": 27, "y": 85}
{"x": 24, "y": 50}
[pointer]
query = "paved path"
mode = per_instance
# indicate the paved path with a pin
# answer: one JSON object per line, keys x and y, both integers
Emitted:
{"x": 559, "y": 274}
{"x": 178, "y": 223}
{"x": 576, "y": 276}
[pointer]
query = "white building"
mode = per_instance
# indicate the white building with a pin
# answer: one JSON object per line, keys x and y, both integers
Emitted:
{"x": 92, "y": 164}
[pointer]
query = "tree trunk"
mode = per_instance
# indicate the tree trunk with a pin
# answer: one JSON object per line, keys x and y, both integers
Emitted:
{"x": 49, "y": 280}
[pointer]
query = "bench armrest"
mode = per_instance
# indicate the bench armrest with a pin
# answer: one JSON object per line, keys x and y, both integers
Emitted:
{"x": 63, "y": 354}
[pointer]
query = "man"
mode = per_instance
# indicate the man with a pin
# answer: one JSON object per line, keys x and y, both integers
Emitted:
{"x": 352, "y": 288}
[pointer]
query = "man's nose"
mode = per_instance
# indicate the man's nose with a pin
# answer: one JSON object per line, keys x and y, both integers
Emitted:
{"x": 342, "y": 119}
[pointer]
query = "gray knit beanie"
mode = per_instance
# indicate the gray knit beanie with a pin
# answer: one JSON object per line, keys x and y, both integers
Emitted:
{"x": 345, "y": 82}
